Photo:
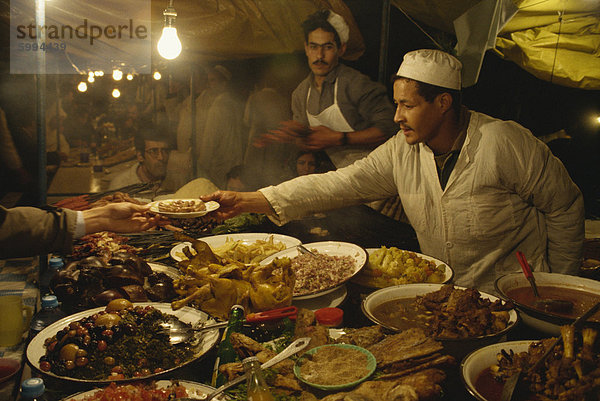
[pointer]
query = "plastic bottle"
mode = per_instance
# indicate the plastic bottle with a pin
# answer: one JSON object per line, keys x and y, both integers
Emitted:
{"x": 257, "y": 389}
{"x": 225, "y": 351}
{"x": 49, "y": 314}
{"x": 32, "y": 389}
{"x": 54, "y": 265}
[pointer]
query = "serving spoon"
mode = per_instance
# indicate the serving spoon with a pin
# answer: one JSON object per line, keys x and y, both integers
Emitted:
{"x": 545, "y": 304}
{"x": 511, "y": 383}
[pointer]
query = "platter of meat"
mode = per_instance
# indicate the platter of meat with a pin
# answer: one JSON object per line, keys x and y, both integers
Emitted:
{"x": 183, "y": 208}
{"x": 332, "y": 264}
{"x": 93, "y": 281}
{"x": 569, "y": 373}
{"x": 121, "y": 342}
{"x": 161, "y": 390}
{"x": 462, "y": 318}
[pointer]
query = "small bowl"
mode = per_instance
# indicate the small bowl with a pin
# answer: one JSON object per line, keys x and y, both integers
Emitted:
{"x": 481, "y": 359}
{"x": 457, "y": 347}
{"x": 8, "y": 368}
{"x": 371, "y": 365}
{"x": 545, "y": 322}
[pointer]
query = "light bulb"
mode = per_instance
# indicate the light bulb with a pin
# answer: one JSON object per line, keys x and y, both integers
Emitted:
{"x": 82, "y": 87}
{"x": 169, "y": 45}
{"x": 117, "y": 75}
{"x": 129, "y": 77}
{"x": 157, "y": 75}
{"x": 91, "y": 79}
{"x": 99, "y": 73}
{"x": 116, "y": 93}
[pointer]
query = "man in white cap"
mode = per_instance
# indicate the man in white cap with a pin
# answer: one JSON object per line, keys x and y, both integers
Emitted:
{"x": 475, "y": 189}
{"x": 336, "y": 108}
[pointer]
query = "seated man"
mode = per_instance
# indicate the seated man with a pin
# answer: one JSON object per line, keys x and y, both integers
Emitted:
{"x": 153, "y": 155}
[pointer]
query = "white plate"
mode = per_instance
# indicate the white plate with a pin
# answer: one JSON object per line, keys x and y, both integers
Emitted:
{"x": 363, "y": 280}
{"x": 331, "y": 248}
{"x": 194, "y": 390}
{"x": 329, "y": 300}
{"x": 479, "y": 360}
{"x": 217, "y": 241}
{"x": 35, "y": 349}
{"x": 170, "y": 271}
{"x": 211, "y": 206}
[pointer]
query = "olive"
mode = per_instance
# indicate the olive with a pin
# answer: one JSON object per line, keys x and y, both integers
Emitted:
{"x": 142, "y": 362}
{"x": 145, "y": 372}
{"x": 81, "y": 361}
{"x": 68, "y": 352}
{"x": 117, "y": 369}
{"x": 52, "y": 345}
{"x": 81, "y": 352}
{"x": 118, "y": 304}
{"x": 109, "y": 360}
{"x": 102, "y": 345}
{"x": 108, "y": 320}
{"x": 69, "y": 365}
{"x": 45, "y": 366}
{"x": 72, "y": 333}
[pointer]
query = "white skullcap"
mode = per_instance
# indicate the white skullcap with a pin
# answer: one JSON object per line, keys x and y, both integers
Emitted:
{"x": 433, "y": 67}
{"x": 340, "y": 26}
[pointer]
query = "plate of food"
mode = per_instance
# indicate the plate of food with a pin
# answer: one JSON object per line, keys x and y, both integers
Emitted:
{"x": 161, "y": 390}
{"x": 461, "y": 318}
{"x": 183, "y": 208}
{"x": 393, "y": 266}
{"x": 335, "y": 366}
{"x": 118, "y": 342}
{"x": 334, "y": 263}
{"x": 243, "y": 247}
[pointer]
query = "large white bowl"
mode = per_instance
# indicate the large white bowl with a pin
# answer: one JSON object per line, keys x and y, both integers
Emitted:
{"x": 455, "y": 347}
{"x": 540, "y": 320}
{"x": 479, "y": 360}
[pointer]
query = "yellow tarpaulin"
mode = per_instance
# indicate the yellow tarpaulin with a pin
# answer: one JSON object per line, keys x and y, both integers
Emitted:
{"x": 555, "y": 40}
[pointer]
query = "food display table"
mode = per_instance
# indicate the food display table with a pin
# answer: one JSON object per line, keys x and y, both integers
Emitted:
{"x": 359, "y": 225}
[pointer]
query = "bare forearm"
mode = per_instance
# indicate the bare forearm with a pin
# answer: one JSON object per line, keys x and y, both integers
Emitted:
{"x": 371, "y": 137}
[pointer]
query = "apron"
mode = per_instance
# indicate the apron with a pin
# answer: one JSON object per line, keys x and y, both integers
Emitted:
{"x": 332, "y": 118}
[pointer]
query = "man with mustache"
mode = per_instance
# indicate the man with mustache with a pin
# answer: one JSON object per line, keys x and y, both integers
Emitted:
{"x": 336, "y": 108}
{"x": 475, "y": 189}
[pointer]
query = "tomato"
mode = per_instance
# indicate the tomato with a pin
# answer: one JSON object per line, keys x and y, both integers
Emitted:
{"x": 45, "y": 366}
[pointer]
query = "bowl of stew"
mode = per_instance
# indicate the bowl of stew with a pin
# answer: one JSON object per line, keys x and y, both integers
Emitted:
{"x": 462, "y": 322}
{"x": 583, "y": 292}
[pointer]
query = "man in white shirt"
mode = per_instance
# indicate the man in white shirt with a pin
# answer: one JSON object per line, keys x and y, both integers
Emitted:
{"x": 474, "y": 188}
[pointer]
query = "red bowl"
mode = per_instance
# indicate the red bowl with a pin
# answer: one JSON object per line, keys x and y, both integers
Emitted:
{"x": 8, "y": 368}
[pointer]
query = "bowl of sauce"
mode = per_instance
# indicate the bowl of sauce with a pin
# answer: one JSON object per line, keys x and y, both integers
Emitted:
{"x": 8, "y": 368}
{"x": 581, "y": 291}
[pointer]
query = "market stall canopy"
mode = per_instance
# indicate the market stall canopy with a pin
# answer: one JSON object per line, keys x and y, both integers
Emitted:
{"x": 555, "y": 40}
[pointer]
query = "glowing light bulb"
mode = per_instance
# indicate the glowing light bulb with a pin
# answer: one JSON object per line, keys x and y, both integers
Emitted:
{"x": 117, "y": 75}
{"x": 598, "y": 119}
{"x": 82, "y": 87}
{"x": 91, "y": 74}
{"x": 129, "y": 77}
{"x": 99, "y": 73}
{"x": 91, "y": 79}
{"x": 116, "y": 93}
{"x": 169, "y": 45}
{"x": 157, "y": 75}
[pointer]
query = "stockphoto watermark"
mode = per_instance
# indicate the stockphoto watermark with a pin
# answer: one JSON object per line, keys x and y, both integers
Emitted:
{"x": 68, "y": 37}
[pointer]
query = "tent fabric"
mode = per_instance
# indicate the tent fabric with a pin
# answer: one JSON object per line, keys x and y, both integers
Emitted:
{"x": 554, "y": 40}
{"x": 235, "y": 29}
